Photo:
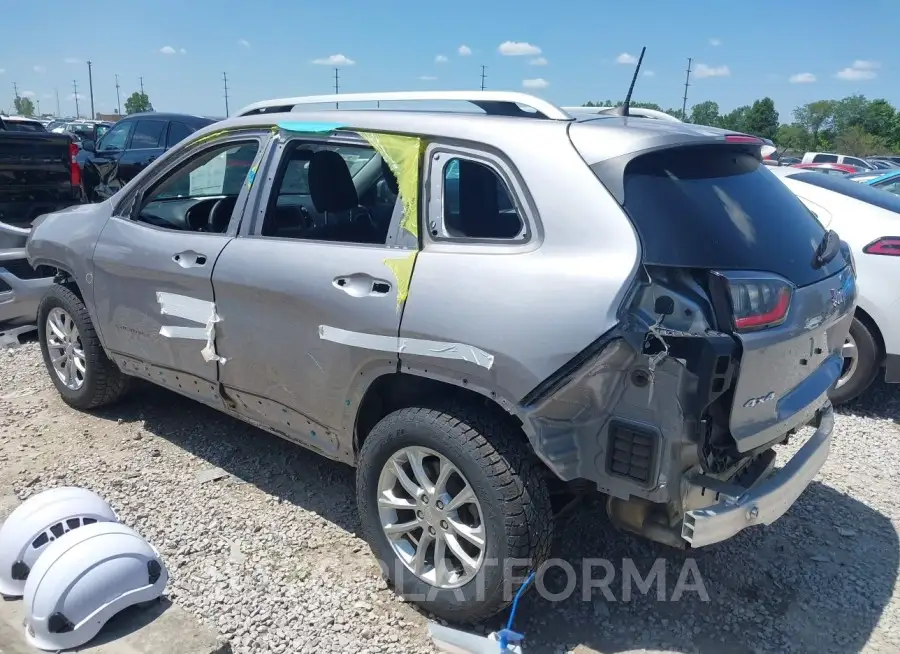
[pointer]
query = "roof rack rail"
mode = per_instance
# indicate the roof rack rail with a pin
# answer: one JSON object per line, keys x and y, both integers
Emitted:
{"x": 634, "y": 112}
{"x": 494, "y": 103}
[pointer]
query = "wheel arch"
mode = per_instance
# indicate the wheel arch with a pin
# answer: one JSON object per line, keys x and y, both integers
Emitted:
{"x": 863, "y": 316}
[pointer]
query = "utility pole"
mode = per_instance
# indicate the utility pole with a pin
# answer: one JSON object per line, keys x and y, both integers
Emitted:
{"x": 91, "y": 87}
{"x": 142, "y": 85}
{"x": 39, "y": 106}
{"x": 16, "y": 93}
{"x": 118, "y": 102}
{"x": 225, "y": 79}
{"x": 687, "y": 83}
{"x": 337, "y": 86}
{"x": 75, "y": 95}
{"x": 483, "y": 76}
{"x": 57, "y": 102}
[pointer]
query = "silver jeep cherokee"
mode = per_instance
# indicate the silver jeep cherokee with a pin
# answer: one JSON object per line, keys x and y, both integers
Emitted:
{"x": 467, "y": 307}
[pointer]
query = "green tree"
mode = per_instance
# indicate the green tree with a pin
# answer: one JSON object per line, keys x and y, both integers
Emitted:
{"x": 137, "y": 102}
{"x": 735, "y": 120}
{"x": 815, "y": 117}
{"x": 849, "y": 111}
{"x": 857, "y": 141}
{"x": 762, "y": 119}
{"x": 792, "y": 137}
{"x": 879, "y": 119}
{"x": 706, "y": 113}
{"x": 24, "y": 106}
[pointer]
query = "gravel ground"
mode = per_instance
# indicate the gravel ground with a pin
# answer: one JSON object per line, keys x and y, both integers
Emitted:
{"x": 265, "y": 549}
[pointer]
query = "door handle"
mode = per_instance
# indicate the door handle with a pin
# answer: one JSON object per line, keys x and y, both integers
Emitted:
{"x": 189, "y": 259}
{"x": 362, "y": 285}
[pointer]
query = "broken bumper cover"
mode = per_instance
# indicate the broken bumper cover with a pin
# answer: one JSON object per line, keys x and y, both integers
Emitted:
{"x": 765, "y": 503}
{"x": 19, "y": 298}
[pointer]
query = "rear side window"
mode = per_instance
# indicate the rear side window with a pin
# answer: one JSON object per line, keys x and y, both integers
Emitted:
{"x": 719, "y": 208}
{"x": 856, "y": 190}
{"x": 825, "y": 158}
{"x": 177, "y": 132}
{"x": 147, "y": 134}
{"x": 856, "y": 162}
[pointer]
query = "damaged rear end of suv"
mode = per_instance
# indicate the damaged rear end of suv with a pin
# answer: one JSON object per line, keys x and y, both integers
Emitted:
{"x": 727, "y": 342}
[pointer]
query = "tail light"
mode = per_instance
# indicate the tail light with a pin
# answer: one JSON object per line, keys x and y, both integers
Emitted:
{"x": 75, "y": 171}
{"x": 759, "y": 303}
{"x": 886, "y": 245}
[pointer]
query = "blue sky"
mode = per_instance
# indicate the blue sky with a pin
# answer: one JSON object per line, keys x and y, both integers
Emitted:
{"x": 568, "y": 52}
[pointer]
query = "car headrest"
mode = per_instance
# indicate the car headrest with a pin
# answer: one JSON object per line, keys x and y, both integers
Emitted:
{"x": 390, "y": 178}
{"x": 330, "y": 183}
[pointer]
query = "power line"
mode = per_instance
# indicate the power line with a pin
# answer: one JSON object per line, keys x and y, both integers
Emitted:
{"x": 91, "y": 87}
{"x": 75, "y": 95}
{"x": 337, "y": 86}
{"x": 225, "y": 79}
{"x": 483, "y": 76}
{"x": 118, "y": 102}
{"x": 687, "y": 83}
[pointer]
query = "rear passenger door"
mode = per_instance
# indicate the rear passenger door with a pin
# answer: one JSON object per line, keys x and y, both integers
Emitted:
{"x": 100, "y": 168}
{"x": 148, "y": 141}
{"x": 308, "y": 294}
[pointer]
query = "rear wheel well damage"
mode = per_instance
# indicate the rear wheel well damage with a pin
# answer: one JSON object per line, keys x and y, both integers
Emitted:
{"x": 395, "y": 391}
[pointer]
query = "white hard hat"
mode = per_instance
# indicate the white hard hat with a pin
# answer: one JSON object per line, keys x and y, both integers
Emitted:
{"x": 39, "y": 521}
{"x": 85, "y": 578}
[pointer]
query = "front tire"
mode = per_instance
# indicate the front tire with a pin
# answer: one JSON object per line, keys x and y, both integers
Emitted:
{"x": 454, "y": 506}
{"x": 75, "y": 360}
{"x": 861, "y": 364}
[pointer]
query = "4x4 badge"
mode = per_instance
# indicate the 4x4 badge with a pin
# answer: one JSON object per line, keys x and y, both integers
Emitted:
{"x": 756, "y": 401}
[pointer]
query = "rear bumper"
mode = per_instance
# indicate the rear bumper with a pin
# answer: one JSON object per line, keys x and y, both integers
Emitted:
{"x": 766, "y": 502}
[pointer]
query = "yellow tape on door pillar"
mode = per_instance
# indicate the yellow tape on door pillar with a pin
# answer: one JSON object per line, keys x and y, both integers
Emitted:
{"x": 403, "y": 155}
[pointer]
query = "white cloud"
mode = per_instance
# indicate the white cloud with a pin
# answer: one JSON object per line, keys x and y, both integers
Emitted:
{"x": 167, "y": 50}
{"x": 27, "y": 94}
{"x": 518, "y": 49}
{"x": 71, "y": 60}
{"x": 440, "y": 59}
{"x": 39, "y": 69}
{"x": 73, "y": 96}
{"x": 244, "y": 42}
{"x": 649, "y": 73}
{"x": 626, "y": 58}
{"x": 334, "y": 60}
{"x": 183, "y": 51}
{"x": 704, "y": 70}
{"x": 464, "y": 51}
{"x": 860, "y": 69}
{"x": 538, "y": 61}
{"x": 802, "y": 78}
{"x": 537, "y": 83}
{"x": 428, "y": 78}
{"x": 715, "y": 42}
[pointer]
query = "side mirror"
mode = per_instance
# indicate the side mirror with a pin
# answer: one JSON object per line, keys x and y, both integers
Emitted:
{"x": 88, "y": 145}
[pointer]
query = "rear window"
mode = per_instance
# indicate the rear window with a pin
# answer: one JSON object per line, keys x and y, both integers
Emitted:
{"x": 825, "y": 158}
{"x": 719, "y": 208}
{"x": 856, "y": 190}
{"x": 23, "y": 126}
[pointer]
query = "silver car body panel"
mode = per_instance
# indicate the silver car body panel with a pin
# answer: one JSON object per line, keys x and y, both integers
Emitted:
{"x": 550, "y": 325}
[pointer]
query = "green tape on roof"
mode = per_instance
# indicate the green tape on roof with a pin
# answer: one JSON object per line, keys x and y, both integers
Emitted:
{"x": 309, "y": 128}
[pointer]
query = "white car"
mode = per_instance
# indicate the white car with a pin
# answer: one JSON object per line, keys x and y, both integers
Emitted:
{"x": 868, "y": 219}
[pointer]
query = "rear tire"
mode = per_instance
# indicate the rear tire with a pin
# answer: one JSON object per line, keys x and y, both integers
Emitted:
{"x": 497, "y": 464}
{"x": 101, "y": 382}
{"x": 856, "y": 379}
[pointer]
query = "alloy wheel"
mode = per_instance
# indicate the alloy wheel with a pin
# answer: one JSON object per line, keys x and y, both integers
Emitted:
{"x": 65, "y": 349}
{"x": 851, "y": 361}
{"x": 431, "y": 517}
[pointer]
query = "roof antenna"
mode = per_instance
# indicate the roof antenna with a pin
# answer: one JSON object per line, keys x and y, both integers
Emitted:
{"x": 623, "y": 109}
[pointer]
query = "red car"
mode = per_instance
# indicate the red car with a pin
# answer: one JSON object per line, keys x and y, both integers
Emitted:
{"x": 829, "y": 168}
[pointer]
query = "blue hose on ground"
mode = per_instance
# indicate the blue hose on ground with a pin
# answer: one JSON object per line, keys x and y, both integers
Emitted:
{"x": 507, "y": 635}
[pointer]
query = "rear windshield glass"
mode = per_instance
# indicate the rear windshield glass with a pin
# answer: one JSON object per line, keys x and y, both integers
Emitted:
{"x": 720, "y": 208}
{"x": 23, "y": 126}
{"x": 855, "y": 190}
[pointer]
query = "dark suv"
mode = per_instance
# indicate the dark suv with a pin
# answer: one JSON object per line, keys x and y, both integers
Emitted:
{"x": 128, "y": 147}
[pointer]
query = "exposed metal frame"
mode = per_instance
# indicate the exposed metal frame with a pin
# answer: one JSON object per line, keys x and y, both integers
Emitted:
{"x": 496, "y": 103}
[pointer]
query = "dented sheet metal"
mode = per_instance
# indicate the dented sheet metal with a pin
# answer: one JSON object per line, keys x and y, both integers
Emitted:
{"x": 420, "y": 347}
{"x": 193, "y": 310}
